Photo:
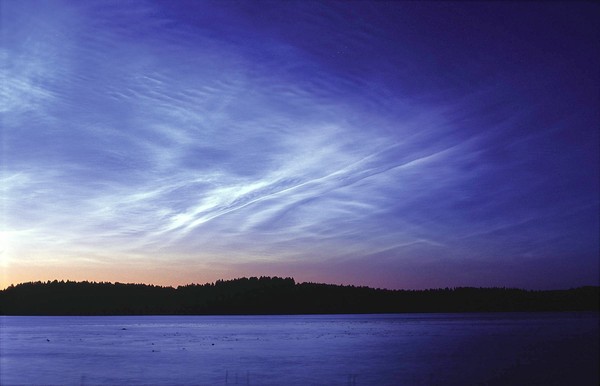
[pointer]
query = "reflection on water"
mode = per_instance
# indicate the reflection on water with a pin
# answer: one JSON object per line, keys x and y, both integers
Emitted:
{"x": 412, "y": 349}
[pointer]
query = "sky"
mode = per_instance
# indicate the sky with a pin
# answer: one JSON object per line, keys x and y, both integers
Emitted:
{"x": 402, "y": 145}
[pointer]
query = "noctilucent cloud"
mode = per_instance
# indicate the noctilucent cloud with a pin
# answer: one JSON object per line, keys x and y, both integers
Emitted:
{"x": 389, "y": 144}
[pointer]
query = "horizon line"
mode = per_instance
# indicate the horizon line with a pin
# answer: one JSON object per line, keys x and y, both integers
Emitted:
{"x": 288, "y": 277}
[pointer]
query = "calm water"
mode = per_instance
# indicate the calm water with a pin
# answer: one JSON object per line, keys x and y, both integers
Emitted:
{"x": 412, "y": 349}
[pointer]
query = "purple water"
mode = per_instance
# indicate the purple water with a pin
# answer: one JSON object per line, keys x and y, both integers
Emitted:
{"x": 410, "y": 349}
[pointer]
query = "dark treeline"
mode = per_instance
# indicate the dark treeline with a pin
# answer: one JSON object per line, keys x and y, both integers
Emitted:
{"x": 273, "y": 295}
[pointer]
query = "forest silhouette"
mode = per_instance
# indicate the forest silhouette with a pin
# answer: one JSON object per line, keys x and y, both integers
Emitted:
{"x": 275, "y": 295}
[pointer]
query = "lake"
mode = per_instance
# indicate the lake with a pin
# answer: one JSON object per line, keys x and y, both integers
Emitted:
{"x": 398, "y": 349}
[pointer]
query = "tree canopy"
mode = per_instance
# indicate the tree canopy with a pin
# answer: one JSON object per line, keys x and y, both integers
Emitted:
{"x": 275, "y": 295}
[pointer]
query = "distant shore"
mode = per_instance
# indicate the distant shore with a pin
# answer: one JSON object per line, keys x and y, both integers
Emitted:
{"x": 274, "y": 295}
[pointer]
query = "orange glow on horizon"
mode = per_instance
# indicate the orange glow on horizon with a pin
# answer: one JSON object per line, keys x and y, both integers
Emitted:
{"x": 163, "y": 276}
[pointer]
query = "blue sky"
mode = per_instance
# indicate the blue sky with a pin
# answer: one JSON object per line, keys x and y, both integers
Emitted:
{"x": 390, "y": 144}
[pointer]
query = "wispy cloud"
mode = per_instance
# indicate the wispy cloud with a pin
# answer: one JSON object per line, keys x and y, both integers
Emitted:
{"x": 132, "y": 132}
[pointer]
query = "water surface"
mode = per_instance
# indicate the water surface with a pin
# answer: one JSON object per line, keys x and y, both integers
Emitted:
{"x": 407, "y": 349}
